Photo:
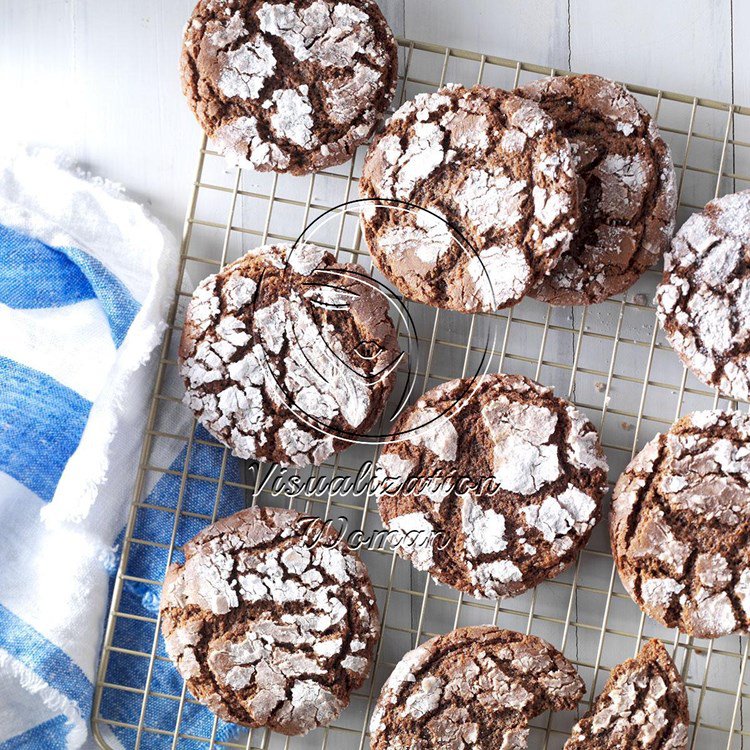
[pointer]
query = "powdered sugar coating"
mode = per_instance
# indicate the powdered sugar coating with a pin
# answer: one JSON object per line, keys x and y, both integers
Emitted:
{"x": 643, "y": 705}
{"x": 679, "y": 518}
{"x": 523, "y": 458}
{"x": 484, "y": 530}
{"x": 628, "y": 187}
{"x": 556, "y": 516}
{"x": 439, "y": 436}
{"x": 242, "y": 135}
{"x": 428, "y": 240}
{"x": 289, "y": 86}
{"x": 246, "y": 69}
{"x": 268, "y": 629}
{"x": 704, "y": 298}
{"x": 416, "y": 533}
{"x": 499, "y": 274}
{"x": 493, "y": 167}
{"x": 331, "y": 35}
{"x": 473, "y": 688}
{"x": 269, "y": 357}
{"x": 292, "y": 119}
{"x": 537, "y": 473}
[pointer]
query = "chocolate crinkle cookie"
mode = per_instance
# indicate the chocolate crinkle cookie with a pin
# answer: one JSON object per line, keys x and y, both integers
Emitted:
{"x": 472, "y": 198}
{"x": 704, "y": 298}
{"x": 627, "y": 177}
{"x": 491, "y": 485}
{"x": 643, "y": 705}
{"x": 680, "y": 525}
{"x": 289, "y": 86}
{"x": 268, "y": 628}
{"x": 476, "y": 687}
{"x": 287, "y": 355}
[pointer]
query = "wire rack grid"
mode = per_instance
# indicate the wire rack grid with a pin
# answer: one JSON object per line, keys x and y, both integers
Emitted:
{"x": 610, "y": 359}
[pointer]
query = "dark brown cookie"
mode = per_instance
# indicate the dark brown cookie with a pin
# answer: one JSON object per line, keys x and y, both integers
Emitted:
{"x": 680, "y": 525}
{"x": 492, "y": 166}
{"x": 288, "y": 356}
{"x": 704, "y": 297}
{"x": 268, "y": 628}
{"x": 289, "y": 86}
{"x": 476, "y": 688}
{"x": 628, "y": 189}
{"x": 537, "y": 476}
{"x": 643, "y": 705}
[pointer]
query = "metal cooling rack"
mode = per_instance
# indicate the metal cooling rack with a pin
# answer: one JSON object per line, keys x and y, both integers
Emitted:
{"x": 610, "y": 359}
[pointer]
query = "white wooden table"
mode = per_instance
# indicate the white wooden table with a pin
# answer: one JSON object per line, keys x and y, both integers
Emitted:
{"x": 98, "y": 78}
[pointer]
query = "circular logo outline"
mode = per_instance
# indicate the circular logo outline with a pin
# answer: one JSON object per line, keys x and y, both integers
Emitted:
{"x": 351, "y": 436}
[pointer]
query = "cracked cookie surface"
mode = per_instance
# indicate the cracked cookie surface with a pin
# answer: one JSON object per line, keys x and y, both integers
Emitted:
{"x": 476, "y": 687}
{"x": 629, "y": 195}
{"x": 268, "y": 628}
{"x": 537, "y": 475}
{"x": 491, "y": 165}
{"x": 287, "y": 355}
{"x": 680, "y": 525}
{"x": 704, "y": 298}
{"x": 644, "y": 704}
{"x": 289, "y": 86}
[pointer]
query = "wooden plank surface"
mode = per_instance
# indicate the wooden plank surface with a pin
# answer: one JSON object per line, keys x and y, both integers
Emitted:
{"x": 533, "y": 30}
{"x": 99, "y": 79}
{"x": 681, "y": 45}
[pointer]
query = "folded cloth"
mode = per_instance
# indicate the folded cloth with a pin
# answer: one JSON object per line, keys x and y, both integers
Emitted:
{"x": 165, "y": 715}
{"x": 86, "y": 278}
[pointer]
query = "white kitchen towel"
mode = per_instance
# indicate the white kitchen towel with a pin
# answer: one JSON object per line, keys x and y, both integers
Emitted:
{"x": 86, "y": 278}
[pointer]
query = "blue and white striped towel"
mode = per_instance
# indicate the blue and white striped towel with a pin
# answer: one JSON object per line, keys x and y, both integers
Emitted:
{"x": 85, "y": 281}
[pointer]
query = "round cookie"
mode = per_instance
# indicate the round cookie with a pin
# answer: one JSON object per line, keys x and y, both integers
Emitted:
{"x": 644, "y": 704}
{"x": 287, "y": 355}
{"x": 536, "y": 476}
{"x": 289, "y": 86}
{"x": 492, "y": 166}
{"x": 704, "y": 298}
{"x": 268, "y": 628}
{"x": 476, "y": 687}
{"x": 629, "y": 198}
{"x": 680, "y": 525}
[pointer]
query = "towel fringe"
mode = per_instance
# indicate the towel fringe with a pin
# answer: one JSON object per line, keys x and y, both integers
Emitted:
{"x": 51, "y": 698}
